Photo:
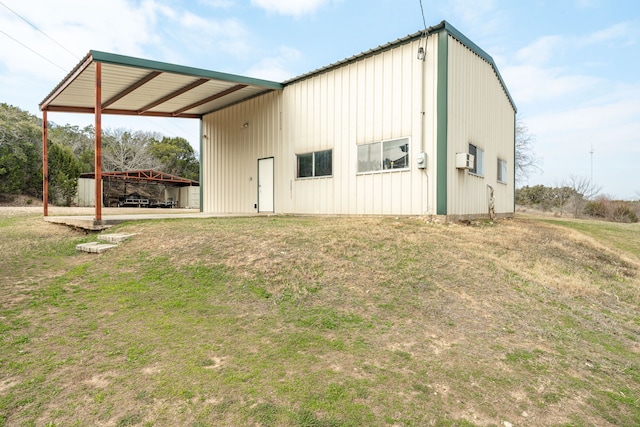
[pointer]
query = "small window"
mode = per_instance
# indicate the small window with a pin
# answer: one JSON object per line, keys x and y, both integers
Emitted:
{"x": 385, "y": 155}
{"x": 322, "y": 165}
{"x": 502, "y": 171}
{"x": 318, "y": 163}
{"x": 478, "y": 160}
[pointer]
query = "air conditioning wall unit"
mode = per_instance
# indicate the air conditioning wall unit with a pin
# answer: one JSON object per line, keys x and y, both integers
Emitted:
{"x": 464, "y": 161}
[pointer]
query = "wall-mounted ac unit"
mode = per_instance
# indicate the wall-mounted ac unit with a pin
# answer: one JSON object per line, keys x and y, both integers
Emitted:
{"x": 464, "y": 161}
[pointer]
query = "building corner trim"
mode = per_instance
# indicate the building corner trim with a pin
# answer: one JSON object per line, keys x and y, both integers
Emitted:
{"x": 442, "y": 123}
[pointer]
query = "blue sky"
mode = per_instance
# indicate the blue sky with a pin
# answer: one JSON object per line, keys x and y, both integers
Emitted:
{"x": 570, "y": 65}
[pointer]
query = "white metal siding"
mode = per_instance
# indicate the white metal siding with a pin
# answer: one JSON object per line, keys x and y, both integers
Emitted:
{"x": 382, "y": 97}
{"x": 86, "y": 195}
{"x": 374, "y": 99}
{"x": 479, "y": 112}
{"x": 230, "y": 153}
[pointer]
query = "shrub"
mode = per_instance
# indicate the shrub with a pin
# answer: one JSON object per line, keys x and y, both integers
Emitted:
{"x": 623, "y": 212}
{"x": 596, "y": 208}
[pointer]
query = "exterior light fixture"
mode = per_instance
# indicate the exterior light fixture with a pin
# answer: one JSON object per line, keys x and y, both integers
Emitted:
{"x": 421, "y": 53}
{"x": 245, "y": 125}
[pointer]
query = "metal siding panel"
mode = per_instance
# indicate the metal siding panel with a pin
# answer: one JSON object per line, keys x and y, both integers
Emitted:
{"x": 480, "y": 113}
{"x": 378, "y": 98}
{"x": 234, "y": 152}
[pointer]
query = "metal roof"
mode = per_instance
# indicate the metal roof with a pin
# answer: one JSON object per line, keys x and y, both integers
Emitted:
{"x": 140, "y": 87}
{"x": 443, "y": 26}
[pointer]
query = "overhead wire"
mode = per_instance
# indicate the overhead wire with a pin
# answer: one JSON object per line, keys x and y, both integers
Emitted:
{"x": 39, "y": 30}
{"x": 425, "y": 33}
{"x": 32, "y": 50}
{"x": 71, "y": 53}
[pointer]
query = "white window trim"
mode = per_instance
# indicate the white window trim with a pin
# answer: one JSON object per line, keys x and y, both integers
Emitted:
{"x": 506, "y": 169}
{"x": 313, "y": 165}
{"x": 477, "y": 160}
{"x": 408, "y": 168}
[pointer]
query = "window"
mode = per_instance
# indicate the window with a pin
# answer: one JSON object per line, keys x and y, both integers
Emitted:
{"x": 502, "y": 171}
{"x": 478, "y": 160}
{"x": 318, "y": 163}
{"x": 384, "y": 155}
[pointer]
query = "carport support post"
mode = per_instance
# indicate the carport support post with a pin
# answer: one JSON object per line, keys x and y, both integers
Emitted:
{"x": 45, "y": 163}
{"x": 98, "y": 141}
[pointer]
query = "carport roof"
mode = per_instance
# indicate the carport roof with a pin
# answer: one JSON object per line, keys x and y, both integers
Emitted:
{"x": 140, "y": 87}
{"x": 146, "y": 175}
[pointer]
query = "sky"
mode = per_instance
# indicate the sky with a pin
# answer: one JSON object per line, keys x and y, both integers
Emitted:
{"x": 571, "y": 66}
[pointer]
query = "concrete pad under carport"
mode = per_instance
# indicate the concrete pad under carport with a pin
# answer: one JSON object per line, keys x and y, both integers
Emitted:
{"x": 115, "y": 216}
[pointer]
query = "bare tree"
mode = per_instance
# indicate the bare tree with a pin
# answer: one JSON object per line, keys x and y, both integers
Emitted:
{"x": 583, "y": 190}
{"x": 126, "y": 150}
{"x": 526, "y": 160}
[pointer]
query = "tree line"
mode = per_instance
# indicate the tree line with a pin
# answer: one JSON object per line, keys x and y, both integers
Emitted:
{"x": 579, "y": 197}
{"x": 71, "y": 153}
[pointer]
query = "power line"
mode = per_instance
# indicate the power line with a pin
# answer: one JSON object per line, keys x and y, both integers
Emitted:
{"x": 27, "y": 47}
{"x": 424, "y": 21}
{"x": 38, "y": 29}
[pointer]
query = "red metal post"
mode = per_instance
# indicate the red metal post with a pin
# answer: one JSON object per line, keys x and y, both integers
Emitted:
{"x": 98, "y": 141}
{"x": 45, "y": 163}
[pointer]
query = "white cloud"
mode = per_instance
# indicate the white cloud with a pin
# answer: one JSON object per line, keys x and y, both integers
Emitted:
{"x": 541, "y": 51}
{"x": 275, "y": 68}
{"x": 218, "y": 4}
{"x": 587, "y": 4}
{"x": 290, "y": 7}
{"x": 620, "y": 31}
{"x": 532, "y": 83}
{"x": 116, "y": 26}
{"x": 481, "y": 18}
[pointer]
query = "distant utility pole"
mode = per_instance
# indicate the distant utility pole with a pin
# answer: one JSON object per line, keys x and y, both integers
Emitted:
{"x": 591, "y": 152}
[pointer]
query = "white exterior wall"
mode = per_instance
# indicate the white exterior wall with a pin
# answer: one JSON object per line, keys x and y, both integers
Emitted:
{"x": 230, "y": 153}
{"x": 374, "y": 99}
{"x": 187, "y": 197}
{"x": 479, "y": 112}
{"x": 86, "y": 194}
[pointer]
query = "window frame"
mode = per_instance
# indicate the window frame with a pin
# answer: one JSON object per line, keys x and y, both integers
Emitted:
{"x": 478, "y": 160}
{"x": 314, "y": 164}
{"x": 372, "y": 146}
{"x": 502, "y": 172}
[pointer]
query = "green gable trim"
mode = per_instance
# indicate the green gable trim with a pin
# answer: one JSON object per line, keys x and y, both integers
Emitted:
{"x": 129, "y": 61}
{"x": 441, "y": 141}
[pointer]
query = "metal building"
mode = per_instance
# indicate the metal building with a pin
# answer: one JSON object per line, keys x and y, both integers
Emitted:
{"x": 423, "y": 125}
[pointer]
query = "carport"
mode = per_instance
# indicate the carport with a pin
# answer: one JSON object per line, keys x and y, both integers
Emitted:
{"x": 106, "y": 83}
{"x": 147, "y": 176}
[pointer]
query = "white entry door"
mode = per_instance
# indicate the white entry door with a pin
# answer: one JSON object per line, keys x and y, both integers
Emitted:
{"x": 265, "y": 185}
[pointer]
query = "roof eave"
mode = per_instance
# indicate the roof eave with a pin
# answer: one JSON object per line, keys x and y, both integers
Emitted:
{"x": 129, "y": 61}
{"x": 442, "y": 26}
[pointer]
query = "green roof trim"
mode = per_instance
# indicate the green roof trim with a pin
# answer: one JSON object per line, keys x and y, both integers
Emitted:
{"x": 442, "y": 117}
{"x": 129, "y": 61}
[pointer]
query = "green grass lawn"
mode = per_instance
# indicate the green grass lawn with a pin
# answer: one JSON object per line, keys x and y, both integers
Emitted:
{"x": 315, "y": 321}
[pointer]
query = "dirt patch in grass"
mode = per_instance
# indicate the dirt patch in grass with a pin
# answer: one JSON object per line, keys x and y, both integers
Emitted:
{"x": 323, "y": 321}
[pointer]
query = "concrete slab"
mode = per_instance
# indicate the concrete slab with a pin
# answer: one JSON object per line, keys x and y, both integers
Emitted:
{"x": 115, "y": 237}
{"x": 107, "y": 221}
{"x": 95, "y": 247}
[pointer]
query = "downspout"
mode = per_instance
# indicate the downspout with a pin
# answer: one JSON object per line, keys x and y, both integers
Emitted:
{"x": 422, "y": 56}
{"x": 45, "y": 163}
